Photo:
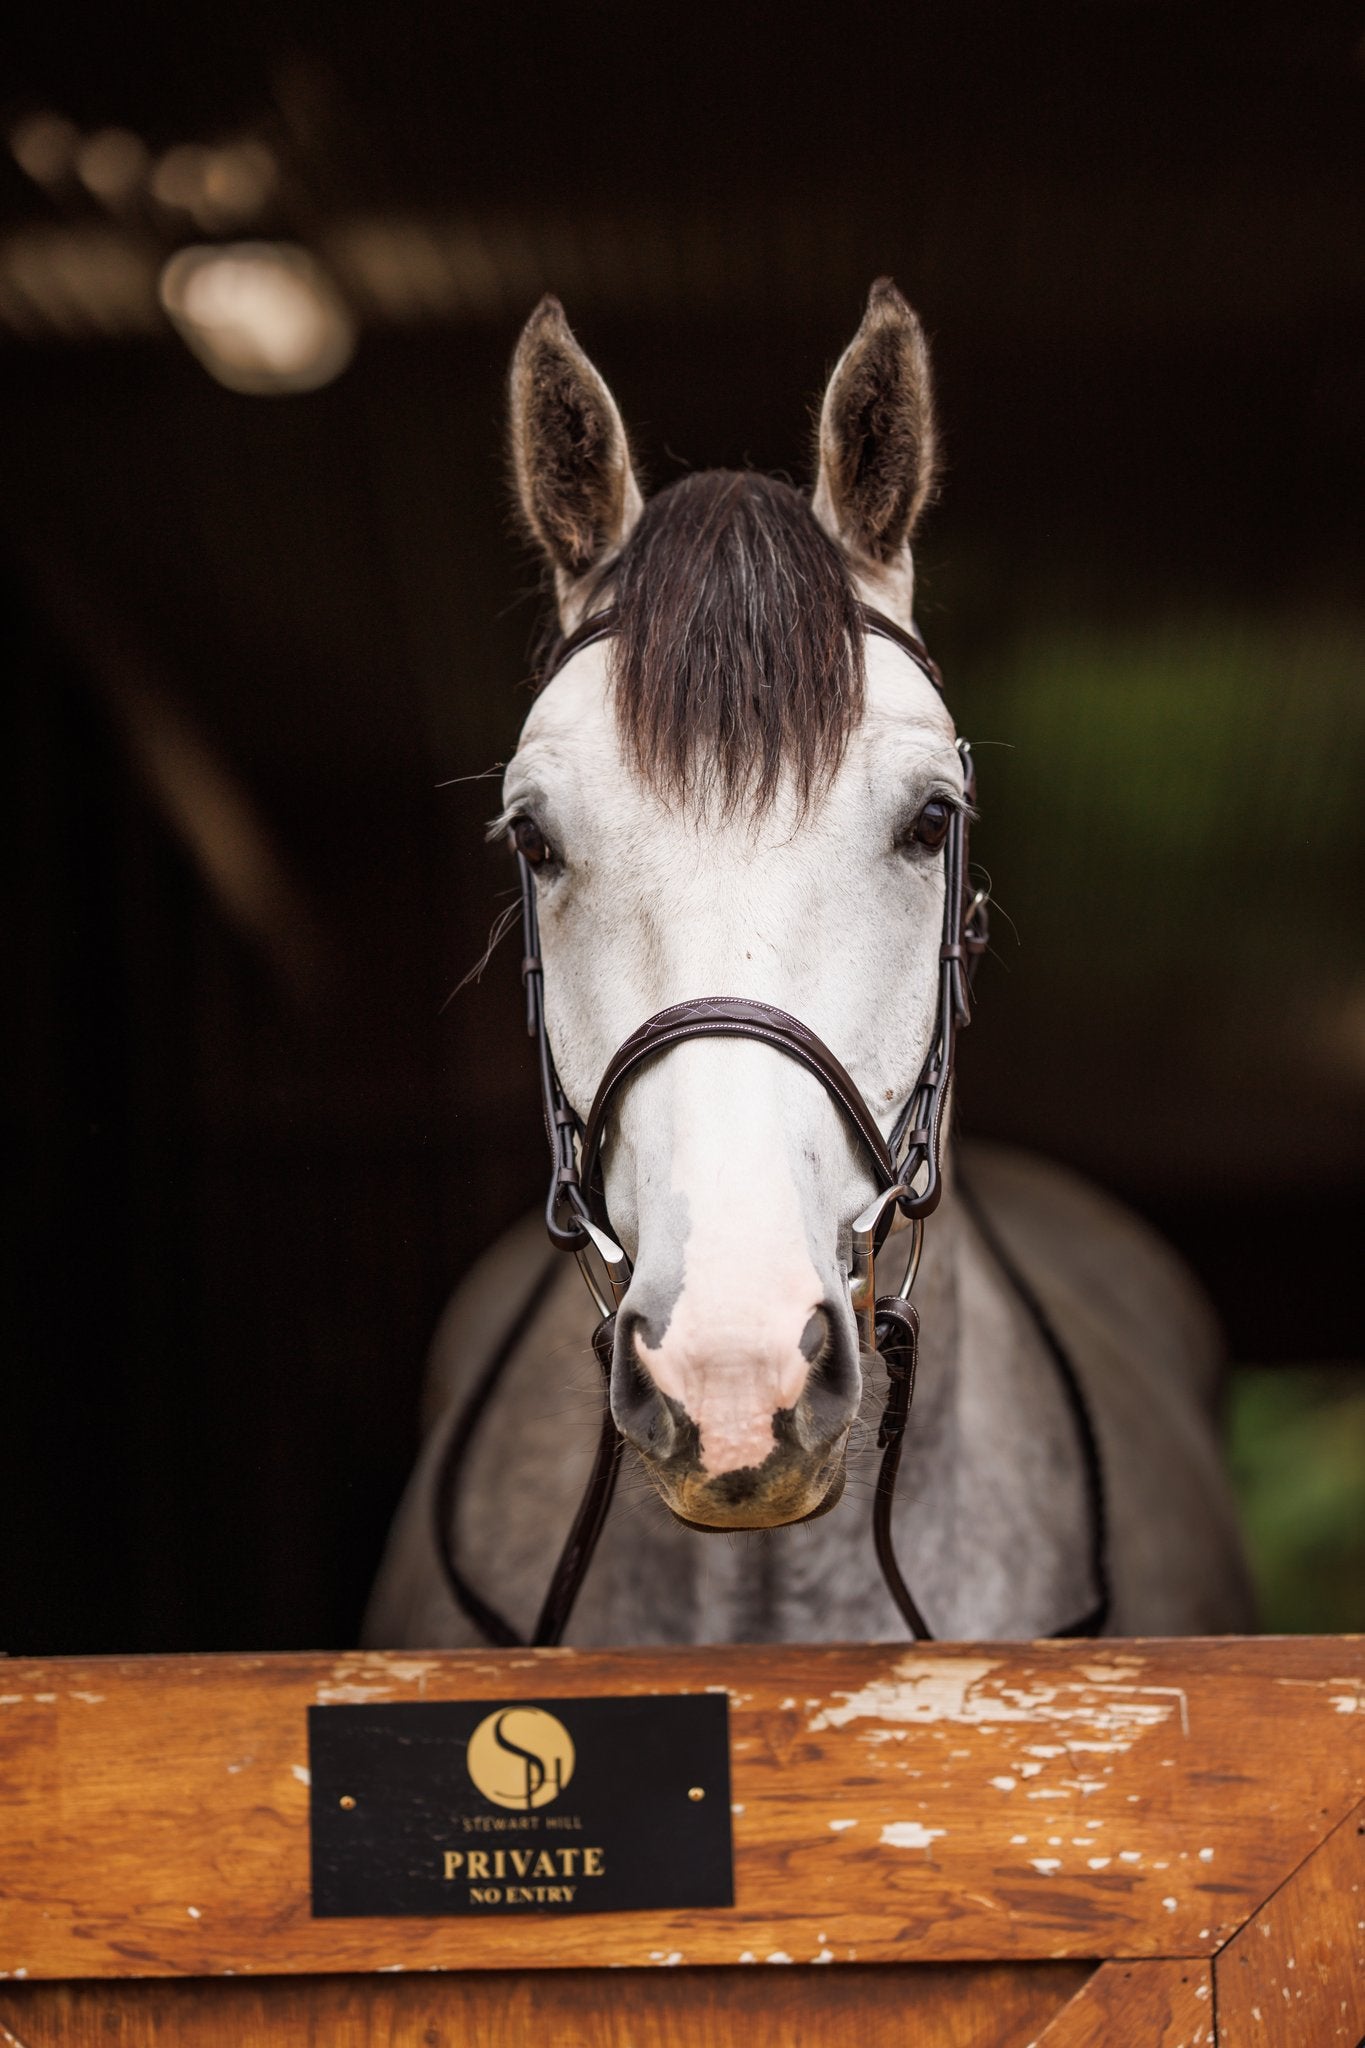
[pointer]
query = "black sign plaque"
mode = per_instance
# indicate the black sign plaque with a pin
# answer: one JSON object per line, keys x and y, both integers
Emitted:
{"x": 521, "y": 1806}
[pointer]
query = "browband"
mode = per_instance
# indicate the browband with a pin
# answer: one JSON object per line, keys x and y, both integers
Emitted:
{"x": 602, "y": 625}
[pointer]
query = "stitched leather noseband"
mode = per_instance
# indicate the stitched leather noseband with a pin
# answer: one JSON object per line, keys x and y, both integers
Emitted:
{"x": 907, "y": 1168}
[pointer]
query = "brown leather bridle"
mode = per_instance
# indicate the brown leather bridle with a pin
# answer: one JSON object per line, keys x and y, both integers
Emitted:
{"x": 906, "y": 1164}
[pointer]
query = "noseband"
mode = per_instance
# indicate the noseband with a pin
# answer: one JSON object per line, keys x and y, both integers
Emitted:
{"x": 906, "y": 1165}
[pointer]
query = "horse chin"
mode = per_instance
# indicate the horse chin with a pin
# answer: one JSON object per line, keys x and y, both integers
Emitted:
{"x": 754, "y": 1498}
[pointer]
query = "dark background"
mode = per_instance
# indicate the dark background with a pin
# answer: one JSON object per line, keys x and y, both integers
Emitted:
{"x": 248, "y": 1151}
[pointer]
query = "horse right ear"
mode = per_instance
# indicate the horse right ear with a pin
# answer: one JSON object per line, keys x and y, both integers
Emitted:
{"x": 570, "y": 455}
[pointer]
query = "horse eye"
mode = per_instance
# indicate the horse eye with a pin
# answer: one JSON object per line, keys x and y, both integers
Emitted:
{"x": 931, "y": 826}
{"x": 529, "y": 841}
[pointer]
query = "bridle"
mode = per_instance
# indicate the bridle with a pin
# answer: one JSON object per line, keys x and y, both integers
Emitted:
{"x": 906, "y": 1164}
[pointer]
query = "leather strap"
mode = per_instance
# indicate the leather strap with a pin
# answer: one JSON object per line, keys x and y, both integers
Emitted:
{"x": 588, "y": 1523}
{"x": 898, "y": 1344}
{"x": 581, "y": 1541}
{"x": 909, "y": 643}
{"x": 727, "y": 1017}
{"x": 601, "y": 625}
{"x": 597, "y": 626}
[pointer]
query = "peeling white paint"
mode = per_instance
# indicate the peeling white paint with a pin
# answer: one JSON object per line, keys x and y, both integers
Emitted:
{"x": 305, "y": 1776}
{"x": 824, "y": 1955}
{"x": 1130, "y": 1856}
{"x": 1004, "y": 1784}
{"x": 1045, "y": 1865}
{"x": 1098, "y": 1862}
{"x": 1345, "y": 1703}
{"x": 1121, "y": 1671}
{"x": 923, "y": 1689}
{"x": 407, "y": 1670}
{"x": 738, "y": 1809}
{"x": 779, "y": 1955}
{"x": 1176, "y": 1692}
{"x": 836, "y": 1827}
{"x": 91, "y": 1699}
{"x": 194, "y": 1912}
{"x": 748, "y": 1956}
{"x": 1016, "y": 1840}
{"x": 1170, "y": 1904}
{"x": 910, "y": 1834}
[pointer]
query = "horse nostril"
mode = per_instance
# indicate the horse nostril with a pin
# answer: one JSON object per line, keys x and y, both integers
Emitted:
{"x": 640, "y": 1410}
{"x": 834, "y": 1383}
{"x": 815, "y": 1337}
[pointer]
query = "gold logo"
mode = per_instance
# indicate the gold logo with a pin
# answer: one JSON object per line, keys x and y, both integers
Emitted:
{"x": 520, "y": 1756}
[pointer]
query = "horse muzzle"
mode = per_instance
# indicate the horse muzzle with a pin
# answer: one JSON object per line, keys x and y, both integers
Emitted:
{"x": 746, "y": 1468}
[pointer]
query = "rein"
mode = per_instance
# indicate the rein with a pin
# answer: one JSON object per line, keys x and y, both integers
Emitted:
{"x": 907, "y": 1166}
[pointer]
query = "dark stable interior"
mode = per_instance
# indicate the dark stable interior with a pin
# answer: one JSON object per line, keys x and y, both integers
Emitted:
{"x": 252, "y": 644}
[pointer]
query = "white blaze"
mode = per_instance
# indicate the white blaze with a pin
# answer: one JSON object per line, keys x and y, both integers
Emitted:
{"x": 731, "y": 1352}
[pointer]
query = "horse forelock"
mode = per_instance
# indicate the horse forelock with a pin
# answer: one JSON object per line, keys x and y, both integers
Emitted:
{"x": 738, "y": 654}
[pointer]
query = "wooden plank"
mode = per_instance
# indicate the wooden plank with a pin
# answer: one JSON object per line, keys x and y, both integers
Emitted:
{"x": 1296, "y": 1972}
{"x": 931, "y": 1803}
{"x": 1137, "y": 2005}
{"x": 938, "y": 2006}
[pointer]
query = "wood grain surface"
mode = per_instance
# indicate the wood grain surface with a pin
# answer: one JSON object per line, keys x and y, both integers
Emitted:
{"x": 1296, "y": 1972}
{"x": 891, "y": 1804}
{"x": 894, "y": 2006}
{"x": 1147, "y": 2005}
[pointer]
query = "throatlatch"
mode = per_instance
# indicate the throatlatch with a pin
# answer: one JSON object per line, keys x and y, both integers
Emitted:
{"x": 907, "y": 1166}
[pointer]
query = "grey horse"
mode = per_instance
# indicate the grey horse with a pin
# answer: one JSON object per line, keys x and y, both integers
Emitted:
{"x": 742, "y": 793}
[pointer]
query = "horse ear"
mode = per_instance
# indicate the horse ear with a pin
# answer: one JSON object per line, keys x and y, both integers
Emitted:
{"x": 877, "y": 446}
{"x": 570, "y": 456}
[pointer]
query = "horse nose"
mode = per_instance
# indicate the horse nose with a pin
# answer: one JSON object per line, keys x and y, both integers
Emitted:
{"x": 660, "y": 1427}
{"x": 643, "y": 1413}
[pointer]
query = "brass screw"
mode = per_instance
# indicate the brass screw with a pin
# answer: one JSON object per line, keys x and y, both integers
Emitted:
{"x": 347, "y": 1801}
{"x": 697, "y": 1792}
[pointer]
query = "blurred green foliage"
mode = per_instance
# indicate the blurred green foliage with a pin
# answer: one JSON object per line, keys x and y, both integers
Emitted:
{"x": 1205, "y": 775}
{"x": 1297, "y": 1443}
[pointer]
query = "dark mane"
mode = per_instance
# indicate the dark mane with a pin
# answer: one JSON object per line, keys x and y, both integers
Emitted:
{"x": 739, "y": 652}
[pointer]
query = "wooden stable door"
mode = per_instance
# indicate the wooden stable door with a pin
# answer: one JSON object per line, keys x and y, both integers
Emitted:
{"x": 1146, "y": 1843}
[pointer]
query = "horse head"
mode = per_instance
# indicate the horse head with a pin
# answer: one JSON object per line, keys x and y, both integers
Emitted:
{"x": 742, "y": 793}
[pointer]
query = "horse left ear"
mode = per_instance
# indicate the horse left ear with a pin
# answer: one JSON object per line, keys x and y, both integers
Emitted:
{"x": 878, "y": 447}
{"x": 575, "y": 480}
